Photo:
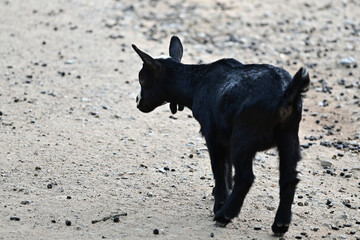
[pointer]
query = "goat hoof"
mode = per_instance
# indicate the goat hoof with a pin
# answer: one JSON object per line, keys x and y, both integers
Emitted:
{"x": 220, "y": 224}
{"x": 279, "y": 229}
{"x": 221, "y": 219}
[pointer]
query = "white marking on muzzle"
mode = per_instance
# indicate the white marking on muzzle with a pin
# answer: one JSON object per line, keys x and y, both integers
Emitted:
{"x": 138, "y": 98}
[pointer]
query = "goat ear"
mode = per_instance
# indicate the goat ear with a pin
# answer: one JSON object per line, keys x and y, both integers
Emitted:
{"x": 176, "y": 49}
{"x": 150, "y": 62}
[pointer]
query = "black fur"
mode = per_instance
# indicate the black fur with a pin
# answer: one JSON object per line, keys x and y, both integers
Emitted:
{"x": 242, "y": 109}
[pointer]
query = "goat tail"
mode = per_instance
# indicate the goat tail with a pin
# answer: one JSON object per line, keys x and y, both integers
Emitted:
{"x": 295, "y": 89}
{"x": 298, "y": 85}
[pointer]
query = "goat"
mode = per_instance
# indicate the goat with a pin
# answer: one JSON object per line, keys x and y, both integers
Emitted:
{"x": 242, "y": 109}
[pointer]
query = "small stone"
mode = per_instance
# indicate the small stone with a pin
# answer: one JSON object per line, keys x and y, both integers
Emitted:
{"x": 326, "y": 163}
{"x": 348, "y": 175}
{"x": 116, "y": 219}
{"x": 298, "y": 237}
{"x": 68, "y": 197}
{"x": 156, "y": 231}
{"x": 68, "y": 222}
{"x": 346, "y": 204}
{"x": 37, "y": 168}
{"x": 334, "y": 227}
{"x": 257, "y": 228}
{"x": 49, "y": 186}
{"x": 312, "y": 138}
{"x": 14, "y": 218}
{"x": 53, "y": 221}
{"x": 212, "y": 235}
{"x": 70, "y": 61}
{"x": 25, "y": 202}
{"x": 347, "y": 62}
{"x": 340, "y": 154}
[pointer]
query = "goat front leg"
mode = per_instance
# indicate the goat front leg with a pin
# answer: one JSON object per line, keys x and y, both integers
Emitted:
{"x": 244, "y": 178}
{"x": 289, "y": 153}
{"x": 218, "y": 164}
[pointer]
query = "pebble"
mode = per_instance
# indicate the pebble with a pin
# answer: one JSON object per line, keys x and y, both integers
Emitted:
{"x": 326, "y": 163}
{"x": 212, "y": 235}
{"x": 70, "y": 61}
{"x": 116, "y": 219}
{"x": 346, "y": 204}
{"x": 156, "y": 231}
{"x": 334, "y": 227}
{"x": 257, "y": 228}
{"x": 61, "y": 73}
{"x": 348, "y": 175}
{"x": 68, "y": 222}
{"x": 340, "y": 154}
{"x": 49, "y": 186}
{"x": 14, "y": 218}
{"x": 25, "y": 202}
{"x": 347, "y": 62}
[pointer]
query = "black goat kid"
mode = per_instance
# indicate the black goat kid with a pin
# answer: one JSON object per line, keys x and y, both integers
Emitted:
{"x": 242, "y": 109}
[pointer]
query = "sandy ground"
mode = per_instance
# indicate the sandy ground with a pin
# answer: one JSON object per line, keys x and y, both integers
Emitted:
{"x": 75, "y": 148}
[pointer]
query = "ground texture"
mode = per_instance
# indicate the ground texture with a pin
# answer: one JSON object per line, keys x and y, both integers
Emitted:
{"x": 79, "y": 161}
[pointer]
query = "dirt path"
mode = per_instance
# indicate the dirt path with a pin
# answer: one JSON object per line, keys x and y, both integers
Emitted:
{"x": 75, "y": 150}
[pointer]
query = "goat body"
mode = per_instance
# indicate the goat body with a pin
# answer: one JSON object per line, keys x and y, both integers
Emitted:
{"x": 242, "y": 109}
